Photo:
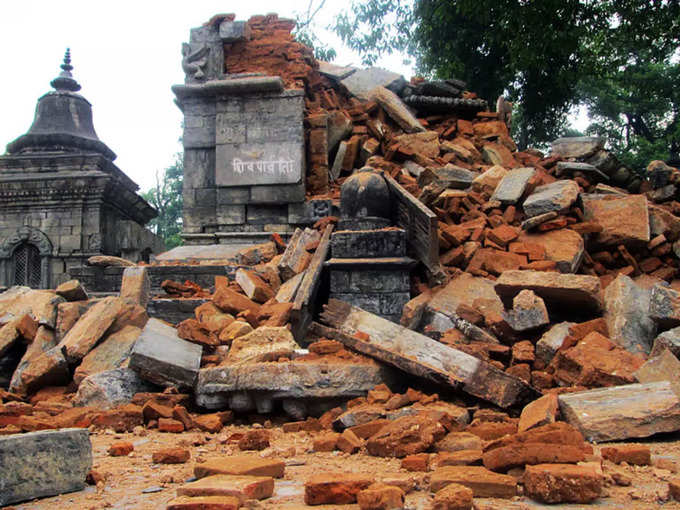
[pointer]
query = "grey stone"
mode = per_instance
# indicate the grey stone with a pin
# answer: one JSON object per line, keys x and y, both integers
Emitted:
{"x": 203, "y": 55}
{"x": 334, "y": 72}
{"x": 627, "y": 315}
{"x": 577, "y": 147}
{"x": 233, "y": 195}
{"x": 551, "y": 341}
{"x": 339, "y": 127}
{"x": 278, "y": 194}
{"x": 230, "y": 214}
{"x": 455, "y": 177}
{"x": 662, "y": 194}
{"x": 112, "y": 388}
{"x": 162, "y": 357}
{"x": 41, "y": 464}
{"x": 413, "y": 168}
{"x": 570, "y": 167}
{"x": 512, "y": 186}
{"x": 664, "y": 306}
{"x": 528, "y": 312}
{"x": 337, "y": 162}
{"x": 310, "y": 211}
{"x": 396, "y": 109}
{"x": 363, "y": 81}
{"x": 537, "y": 220}
{"x": 664, "y": 367}
{"x": 259, "y": 163}
{"x": 263, "y": 214}
{"x": 135, "y": 286}
{"x": 558, "y": 196}
{"x": 368, "y": 244}
{"x": 667, "y": 340}
{"x": 234, "y": 31}
{"x": 605, "y": 161}
{"x": 368, "y": 281}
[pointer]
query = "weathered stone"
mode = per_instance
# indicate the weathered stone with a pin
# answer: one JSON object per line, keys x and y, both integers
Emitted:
{"x": 425, "y": 143}
{"x": 335, "y": 488}
{"x": 234, "y": 330}
{"x": 108, "y": 260}
{"x": 405, "y": 436}
{"x": 45, "y": 369}
{"x": 296, "y": 257}
{"x": 453, "y": 497}
{"x": 636, "y": 454}
{"x": 242, "y": 465}
{"x": 627, "y": 314}
{"x": 577, "y": 146}
{"x": 484, "y": 483}
{"x": 498, "y": 154}
{"x": 512, "y": 186}
{"x": 540, "y": 412}
{"x": 72, "y": 290}
{"x": 42, "y": 342}
{"x": 561, "y": 292}
{"x": 457, "y": 441}
{"x": 565, "y": 247}
{"x": 253, "y": 286}
{"x": 396, "y": 109}
{"x": 42, "y": 464}
{"x": 570, "y": 167}
{"x": 455, "y": 177}
{"x": 562, "y": 483}
{"x": 41, "y": 304}
{"x": 663, "y": 367}
{"x": 203, "y": 502}
{"x": 362, "y": 82}
{"x": 664, "y": 306}
{"x": 241, "y": 487}
{"x": 551, "y": 341}
{"x": 624, "y": 220}
{"x": 162, "y": 357}
{"x": 90, "y": 328}
{"x": 528, "y": 312}
{"x": 524, "y": 454}
{"x": 379, "y": 496}
{"x": 263, "y": 344}
{"x": 9, "y": 335}
{"x": 667, "y": 340}
{"x": 557, "y": 196}
{"x": 489, "y": 180}
{"x": 135, "y": 286}
{"x": 109, "y": 354}
{"x": 622, "y": 412}
{"x": 106, "y": 390}
{"x": 595, "y": 361}
{"x": 234, "y": 31}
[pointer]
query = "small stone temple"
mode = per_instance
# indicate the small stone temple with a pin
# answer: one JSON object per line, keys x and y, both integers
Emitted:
{"x": 62, "y": 199}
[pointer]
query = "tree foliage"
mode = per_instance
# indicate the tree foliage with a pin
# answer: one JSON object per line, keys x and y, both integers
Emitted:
{"x": 166, "y": 198}
{"x": 548, "y": 56}
{"x": 304, "y": 33}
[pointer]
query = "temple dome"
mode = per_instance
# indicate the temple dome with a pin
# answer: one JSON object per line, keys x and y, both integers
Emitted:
{"x": 63, "y": 121}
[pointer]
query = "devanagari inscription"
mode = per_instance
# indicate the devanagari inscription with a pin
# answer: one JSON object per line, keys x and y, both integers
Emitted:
{"x": 273, "y": 167}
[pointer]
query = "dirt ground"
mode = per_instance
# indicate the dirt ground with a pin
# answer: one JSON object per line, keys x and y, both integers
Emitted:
{"x": 134, "y": 482}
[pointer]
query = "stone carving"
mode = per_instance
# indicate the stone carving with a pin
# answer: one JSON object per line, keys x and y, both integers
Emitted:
{"x": 194, "y": 60}
{"x": 273, "y": 167}
{"x": 26, "y": 234}
{"x": 94, "y": 242}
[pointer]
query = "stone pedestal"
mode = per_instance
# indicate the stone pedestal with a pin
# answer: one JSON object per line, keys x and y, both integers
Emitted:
{"x": 369, "y": 269}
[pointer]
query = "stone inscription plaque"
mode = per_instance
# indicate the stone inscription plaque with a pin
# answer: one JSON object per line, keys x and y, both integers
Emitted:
{"x": 259, "y": 141}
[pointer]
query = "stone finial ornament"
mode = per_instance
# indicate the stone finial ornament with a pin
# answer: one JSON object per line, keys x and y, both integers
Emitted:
{"x": 65, "y": 80}
{"x": 365, "y": 200}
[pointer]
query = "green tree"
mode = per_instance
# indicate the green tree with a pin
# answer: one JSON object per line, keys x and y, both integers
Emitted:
{"x": 304, "y": 33}
{"x": 166, "y": 198}
{"x": 537, "y": 53}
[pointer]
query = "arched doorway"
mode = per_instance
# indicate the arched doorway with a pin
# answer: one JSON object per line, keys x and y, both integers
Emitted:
{"x": 26, "y": 266}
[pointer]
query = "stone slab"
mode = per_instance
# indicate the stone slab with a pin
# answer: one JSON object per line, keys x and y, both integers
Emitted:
{"x": 624, "y": 220}
{"x": 361, "y": 82}
{"x": 627, "y": 308}
{"x": 42, "y": 464}
{"x": 623, "y": 412}
{"x": 162, "y": 357}
{"x": 111, "y": 388}
{"x": 512, "y": 186}
{"x": 664, "y": 367}
{"x": 577, "y": 146}
{"x": 259, "y": 163}
{"x": 557, "y": 196}
{"x": 296, "y": 379}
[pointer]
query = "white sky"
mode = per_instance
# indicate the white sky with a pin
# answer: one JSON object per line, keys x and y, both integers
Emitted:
{"x": 126, "y": 55}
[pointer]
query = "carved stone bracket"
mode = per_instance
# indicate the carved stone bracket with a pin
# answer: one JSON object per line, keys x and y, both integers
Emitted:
{"x": 26, "y": 234}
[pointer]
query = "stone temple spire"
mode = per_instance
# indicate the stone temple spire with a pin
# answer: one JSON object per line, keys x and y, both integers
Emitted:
{"x": 65, "y": 80}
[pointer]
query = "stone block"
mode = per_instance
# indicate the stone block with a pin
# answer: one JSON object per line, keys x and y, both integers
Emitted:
{"x": 551, "y": 341}
{"x": 241, "y": 487}
{"x": 623, "y": 412}
{"x": 624, "y": 219}
{"x": 563, "y": 483}
{"x": 664, "y": 306}
{"x": 110, "y": 354}
{"x": 262, "y": 344}
{"x": 135, "y": 286}
{"x": 109, "y": 389}
{"x": 278, "y": 194}
{"x": 667, "y": 340}
{"x": 234, "y": 31}
{"x": 310, "y": 211}
{"x": 368, "y": 244}
{"x": 512, "y": 186}
{"x": 395, "y": 108}
{"x": 557, "y": 196}
{"x": 230, "y": 214}
{"x": 564, "y": 247}
{"x": 663, "y": 367}
{"x": 627, "y": 308}
{"x": 162, "y": 357}
{"x": 263, "y": 214}
{"x": 233, "y": 196}
{"x": 72, "y": 290}
{"x": 577, "y": 146}
{"x": 363, "y": 81}
{"x": 41, "y": 464}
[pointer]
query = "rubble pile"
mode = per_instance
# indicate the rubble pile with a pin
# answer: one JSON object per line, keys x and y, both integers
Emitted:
{"x": 553, "y": 325}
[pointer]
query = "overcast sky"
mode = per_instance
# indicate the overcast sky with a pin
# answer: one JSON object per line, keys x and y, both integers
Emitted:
{"x": 126, "y": 55}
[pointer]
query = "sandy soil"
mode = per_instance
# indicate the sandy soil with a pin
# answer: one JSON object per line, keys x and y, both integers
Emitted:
{"x": 134, "y": 482}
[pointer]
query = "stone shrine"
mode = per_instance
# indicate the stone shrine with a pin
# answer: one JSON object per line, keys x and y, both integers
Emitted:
{"x": 244, "y": 145}
{"x": 368, "y": 266}
{"x": 62, "y": 199}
